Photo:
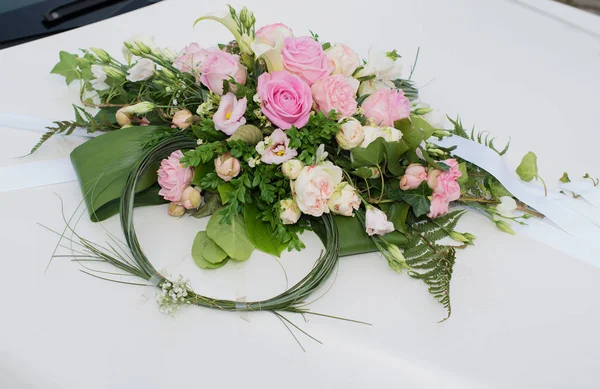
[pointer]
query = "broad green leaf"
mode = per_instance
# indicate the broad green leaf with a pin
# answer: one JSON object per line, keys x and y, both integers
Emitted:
{"x": 418, "y": 198}
{"x": 102, "y": 165}
{"x": 403, "y": 124}
{"x": 67, "y": 67}
{"x": 394, "y": 151}
{"x": 410, "y": 135}
{"x": 421, "y": 124}
{"x": 205, "y": 249}
{"x": 231, "y": 237}
{"x": 397, "y": 214}
{"x": 528, "y": 170}
{"x": 373, "y": 155}
{"x": 211, "y": 204}
{"x": 224, "y": 191}
{"x": 260, "y": 233}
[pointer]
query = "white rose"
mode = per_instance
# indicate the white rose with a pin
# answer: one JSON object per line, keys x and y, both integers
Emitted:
{"x": 506, "y": 209}
{"x": 99, "y": 78}
{"x": 344, "y": 200}
{"x": 351, "y": 134}
{"x": 390, "y": 134}
{"x": 382, "y": 67}
{"x": 314, "y": 186}
{"x": 291, "y": 168}
{"x": 146, "y": 40}
{"x": 141, "y": 71}
{"x": 346, "y": 61}
{"x": 377, "y": 223}
{"x": 289, "y": 213}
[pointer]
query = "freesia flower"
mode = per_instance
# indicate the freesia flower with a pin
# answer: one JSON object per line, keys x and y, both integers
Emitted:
{"x": 384, "y": 68}
{"x": 305, "y": 57}
{"x": 351, "y": 134}
{"x": 336, "y": 93}
{"x": 173, "y": 178}
{"x": 286, "y": 99}
{"x": 141, "y": 71}
{"x": 344, "y": 200}
{"x": 289, "y": 213}
{"x": 413, "y": 176}
{"x": 275, "y": 148}
{"x": 230, "y": 115}
{"x": 506, "y": 209}
{"x": 291, "y": 168}
{"x": 99, "y": 81}
{"x": 385, "y": 106}
{"x": 227, "y": 167}
{"x": 314, "y": 187}
{"x": 345, "y": 60}
{"x": 376, "y": 222}
{"x": 268, "y": 42}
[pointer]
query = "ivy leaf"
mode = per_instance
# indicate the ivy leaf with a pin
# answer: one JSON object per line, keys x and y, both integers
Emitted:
{"x": 397, "y": 215}
{"x": 231, "y": 237}
{"x": 418, "y": 198}
{"x": 394, "y": 151}
{"x": 410, "y": 135}
{"x": 206, "y": 253}
{"x": 421, "y": 124}
{"x": 565, "y": 178}
{"x": 373, "y": 155}
{"x": 528, "y": 169}
{"x": 67, "y": 67}
{"x": 260, "y": 233}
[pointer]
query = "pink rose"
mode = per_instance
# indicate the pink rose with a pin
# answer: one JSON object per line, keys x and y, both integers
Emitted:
{"x": 188, "y": 59}
{"x": 173, "y": 178}
{"x": 413, "y": 176}
{"x": 275, "y": 149}
{"x": 286, "y": 99}
{"x": 385, "y": 106}
{"x": 345, "y": 60}
{"x": 305, "y": 57}
{"x": 217, "y": 66}
{"x": 336, "y": 93}
{"x": 230, "y": 115}
{"x": 376, "y": 222}
{"x": 314, "y": 187}
{"x": 227, "y": 167}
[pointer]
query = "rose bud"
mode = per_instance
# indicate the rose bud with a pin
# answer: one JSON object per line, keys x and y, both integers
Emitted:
{"x": 227, "y": 167}
{"x": 176, "y": 210}
{"x": 289, "y": 212}
{"x": 191, "y": 198}
{"x": 291, "y": 168}
{"x": 123, "y": 117}
{"x": 413, "y": 176}
{"x": 344, "y": 200}
{"x": 182, "y": 119}
{"x": 351, "y": 134}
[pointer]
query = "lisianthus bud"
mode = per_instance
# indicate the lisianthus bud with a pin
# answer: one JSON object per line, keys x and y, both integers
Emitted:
{"x": 351, "y": 134}
{"x": 114, "y": 73}
{"x": 176, "y": 210}
{"x": 100, "y": 53}
{"x": 191, "y": 198}
{"x": 457, "y": 236}
{"x": 396, "y": 253}
{"x": 375, "y": 172}
{"x": 469, "y": 236}
{"x": 344, "y": 200}
{"x": 503, "y": 226}
{"x": 182, "y": 119}
{"x": 291, "y": 168}
{"x": 123, "y": 117}
{"x": 289, "y": 211}
{"x": 139, "y": 108}
{"x": 227, "y": 167}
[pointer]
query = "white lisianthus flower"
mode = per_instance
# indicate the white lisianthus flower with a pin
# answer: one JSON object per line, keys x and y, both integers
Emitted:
{"x": 99, "y": 81}
{"x": 376, "y": 222}
{"x": 344, "y": 200}
{"x": 141, "y": 71}
{"x": 346, "y": 61}
{"x": 292, "y": 168}
{"x": 506, "y": 209}
{"x": 351, "y": 134}
{"x": 315, "y": 186}
{"x": 321, "y": 154}
{"x": 146, "y": 40}
{"x": 389, "y": 134}
{"x": 289, "y": 213}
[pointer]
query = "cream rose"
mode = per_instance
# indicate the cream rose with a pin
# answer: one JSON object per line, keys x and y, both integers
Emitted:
{"x": 345, "y": 60}
{"x": 314, "y": 187}
{"x": 344, "y": 200}
{"x": 289, "y": 213}
{"x": 351, "y": 134}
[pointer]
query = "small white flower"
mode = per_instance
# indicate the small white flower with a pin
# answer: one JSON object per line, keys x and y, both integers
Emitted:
{"x": 257, "y": 99}
{"x": 506, "y": 209}
{"x": 99, "y": 78}
{"x": 199, "y": 142}
{"x": 321, "y": 154}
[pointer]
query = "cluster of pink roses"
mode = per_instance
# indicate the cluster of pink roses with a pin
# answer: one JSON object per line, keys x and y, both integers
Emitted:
{"x": 175, "y": 180}
{"x": 444, "y": 184}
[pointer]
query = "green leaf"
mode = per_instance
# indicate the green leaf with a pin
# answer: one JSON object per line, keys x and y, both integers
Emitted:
{"x": 421, "y": 124}
{"x": 205, "y": 249}
{"x": 565, "y": 178}
{"x": 102, "y": 165}
{"x": 462, "y": 167}
{"x": 527, "y": 169}
{"x": 67, "y": 67}
{"x": 394, "y": 151}
{"x": 373, "y": 155}
{"x": 231, "y": 237}
{"x": 397, "y": 214}
{"x": 201, "y": 171}
{"x": 260, "y": 233}
{"x": 417, "y": 198}
{"x": 410, "y": 135}
{"x": 225, "y": 191}
{"x": 211, "y": 204}
{"x": 363, "y": 172}
{"x": 247, "y": 133}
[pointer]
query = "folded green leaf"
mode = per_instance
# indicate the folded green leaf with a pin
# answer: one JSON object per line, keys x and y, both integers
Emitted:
{"x": 205, "y": 249}
{"x": 260, "y": 233}
{"x": 372, "y": 155}
{"x": 421, "y": 124}
{"x": 231, "y": 237}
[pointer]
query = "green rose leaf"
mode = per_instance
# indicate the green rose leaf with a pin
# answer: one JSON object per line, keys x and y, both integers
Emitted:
{"x": 231, "y": 237}
{"x": 417, "y": 198}
{"x": 528, "y": 170}
{"x": 206, "y": 253}
{"x": 373, "y": 155}
{"x": 260, "y": 233}
{"x": 67, "y": 67}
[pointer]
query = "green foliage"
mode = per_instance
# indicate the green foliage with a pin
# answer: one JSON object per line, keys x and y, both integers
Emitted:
{"x": 231, "y": 237}
{"x": 67, "y": 67}
{"x": 418, "y": 198}
{"x": 210, "y": 206}
{"x": 565, "y": 178}
{"x": 261, "y": 233}
{"x": 321, "y": 129}
{"x": 528, "y": 170}
{"x": 206, "y": 253}
{"x": 408, "y": 87}
{"x": 479, "y": 137}
{"x": 397, "y": 214}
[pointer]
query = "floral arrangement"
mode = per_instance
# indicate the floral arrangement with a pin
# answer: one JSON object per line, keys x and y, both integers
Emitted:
{"x": 271, "y": 135}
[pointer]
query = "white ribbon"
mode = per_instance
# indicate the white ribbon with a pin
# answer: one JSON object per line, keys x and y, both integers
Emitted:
{"x": 31, "y": 123}
{"x": 34, "y": 174}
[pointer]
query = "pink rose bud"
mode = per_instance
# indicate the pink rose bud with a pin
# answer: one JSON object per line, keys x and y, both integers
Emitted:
{"x": 173, "y": 177}
{"x": 217, "y": 66}
{"x": 344, "y": 200}
{"x": 191, "y": 198}
{"x": 182, "y": 119}
{"x": 289, "y": 213}
{"x": 176, "y": 210}
{"x": 413, "y": 176}
{"x": 291, "y": 169}
{"x": 385, "y": 106}
{"x": 227, "y": 167}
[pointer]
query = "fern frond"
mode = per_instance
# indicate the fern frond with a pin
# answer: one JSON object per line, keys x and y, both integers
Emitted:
{"x": 481, "y": 137}
{"x": 63, "y": 127}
